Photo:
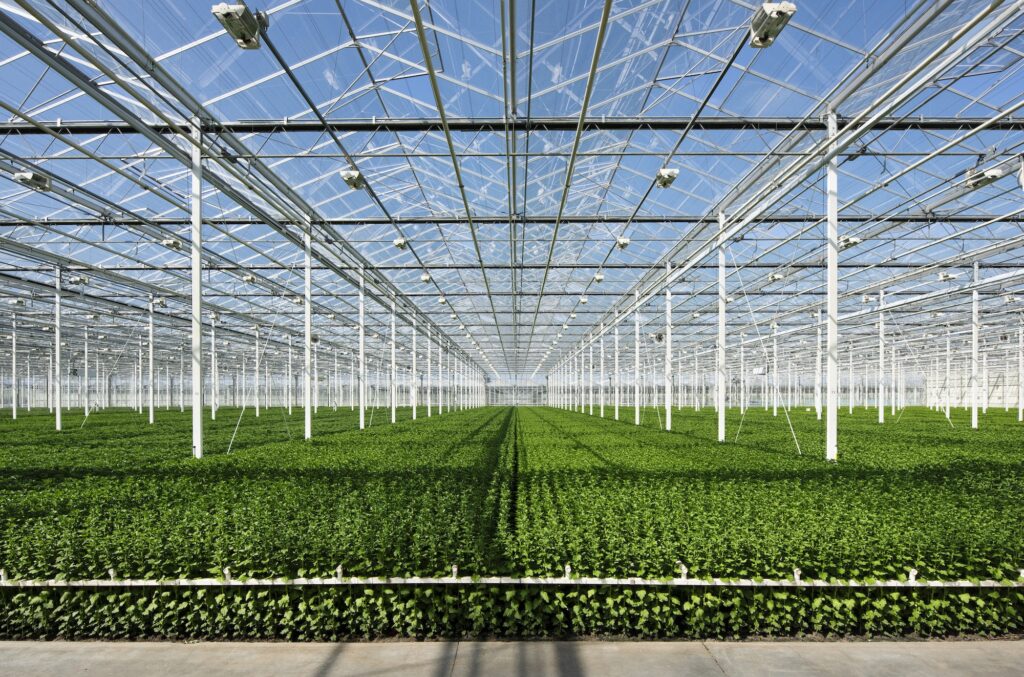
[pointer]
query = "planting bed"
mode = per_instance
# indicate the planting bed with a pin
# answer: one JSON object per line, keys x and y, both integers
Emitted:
{"x": 515, "y": 492}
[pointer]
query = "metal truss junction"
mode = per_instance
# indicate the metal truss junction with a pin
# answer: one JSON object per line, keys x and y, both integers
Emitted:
{"x": 385, "y": 186}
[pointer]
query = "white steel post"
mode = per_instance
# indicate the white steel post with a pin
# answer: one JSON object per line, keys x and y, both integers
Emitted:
{"x": 590, "y": 375}
{"x": 881, "y": 357}
{"x": 618, "y": 378}
{"x": 430, "y": 365}
{"x": 291, "y": 380}
{"x": 831, "y": 310}
{"x": 601, "y": 379}
{"x": 668, "y": 351}
{"x": 775, "y": 370}
{"x": 975, "y": 331}
{"x": 393, "y": 390}
{"x": 743, "y": 376}
{"x": 307, "y": 328}
{"x": 181, "y": 378}
{"x": 949, "y": 362}
{"x": 139, "y": 382}
{"x": 213, "y": 367}
{"x": 1020, "y": 370}
{"x": 414, "y": 386}
{"x": 85, "y": 378}
{"x": 58, "y": 404}
{"x": 636, "y": 359}
{"x": 14, "y": 366}
{"x": 256, "y": 372}
{"x": 362, "y": 350}
{"x": 720, "y": 347}
{"x": 152, "y": 374}
{"x": 197, "y": 291}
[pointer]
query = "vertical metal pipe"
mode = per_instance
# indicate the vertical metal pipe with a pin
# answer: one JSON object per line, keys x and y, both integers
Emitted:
{"x": 196, "y": 199}
{"x": 831, "y": 308}
{"x": 636, "y": 358}
{"x": 720, "y": 347}
{"x": 307, "y": 329}
{"x": 362, "y": 350}
{"x": 881, "y": 357}
{"x": 668, "y": 352}
{"x": 414, "y": 386}
{"x": 975, "y": 332}
{"x": 618, "y": 377}
{"x": 58, "y": 390}
{"x": 393, "y": 382}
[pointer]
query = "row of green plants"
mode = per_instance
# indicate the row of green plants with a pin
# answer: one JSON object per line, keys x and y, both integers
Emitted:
{"x": 514, "y": 492}
{"x": 327, "y": 614}
{"x": 401, "y": 500}
{"x": 616, "y": 500}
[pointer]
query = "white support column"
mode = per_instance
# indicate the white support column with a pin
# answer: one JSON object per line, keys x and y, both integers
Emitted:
{"x": 196, "y": 199}
{"x": 85, "y": 377}
{"x": 881, "y": 356}
{"x": 393, "y": 390}
{"x": 668, "y": 351}
{"x": 693, "y": 382}
{"x": 832, "y": 310}
{"x": 947, "y": 389}
{"x": 590, "y": 375}
{"x": 151, "y": 392}
{"x": 14, "y": 366}
{"x": 440, "y": 380}
{"x": 775, "y": 370}
{"x": 720, "y": 347}
{"x": 618, "y": 374}
{"x": 1020, "y": 371}
{"x": 601, "y": 373}
{"x": 362, "y": 350}
{"x": 139, "y": 382}
{"x": 975, "y": 331}
{"x": 414, "y": 385}
{"x": 307, "y": 330}
{"x": 743, "y": 376}
{"x": 256, "y": 372}
{"x": 181, "y": 378}
{"x": 289, "y": 396}
{"x": 58, "y": 390}
{"x": 636, "y": 359}
{"x": 429, "y": 385}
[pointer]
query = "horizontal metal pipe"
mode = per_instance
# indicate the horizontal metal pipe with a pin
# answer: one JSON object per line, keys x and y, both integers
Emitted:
{"x": 532, "y": 124}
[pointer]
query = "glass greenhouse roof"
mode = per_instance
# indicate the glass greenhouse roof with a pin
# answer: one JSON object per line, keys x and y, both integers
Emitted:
{"x": 513, "y": 146}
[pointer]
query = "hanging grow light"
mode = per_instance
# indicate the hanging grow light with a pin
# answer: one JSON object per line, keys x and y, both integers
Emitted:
{"x": 241, "y": 23}
{"x": 34, "y": 180}
{"x": 665, "y": 177}
{"x": 768, "y": 21}
{"x": 976, "y": 178}
{"x": 353, "y": 177}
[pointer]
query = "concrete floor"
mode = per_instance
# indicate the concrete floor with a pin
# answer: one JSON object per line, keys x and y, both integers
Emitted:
{"x": 523, "y": 659}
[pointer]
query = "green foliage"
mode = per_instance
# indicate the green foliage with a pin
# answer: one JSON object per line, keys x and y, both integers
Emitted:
{"x": 514, "y": 492}
{"x": 327, "y": 614}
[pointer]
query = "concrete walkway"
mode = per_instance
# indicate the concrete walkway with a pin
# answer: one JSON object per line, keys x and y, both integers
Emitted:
{"x": 522, "y": 659}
